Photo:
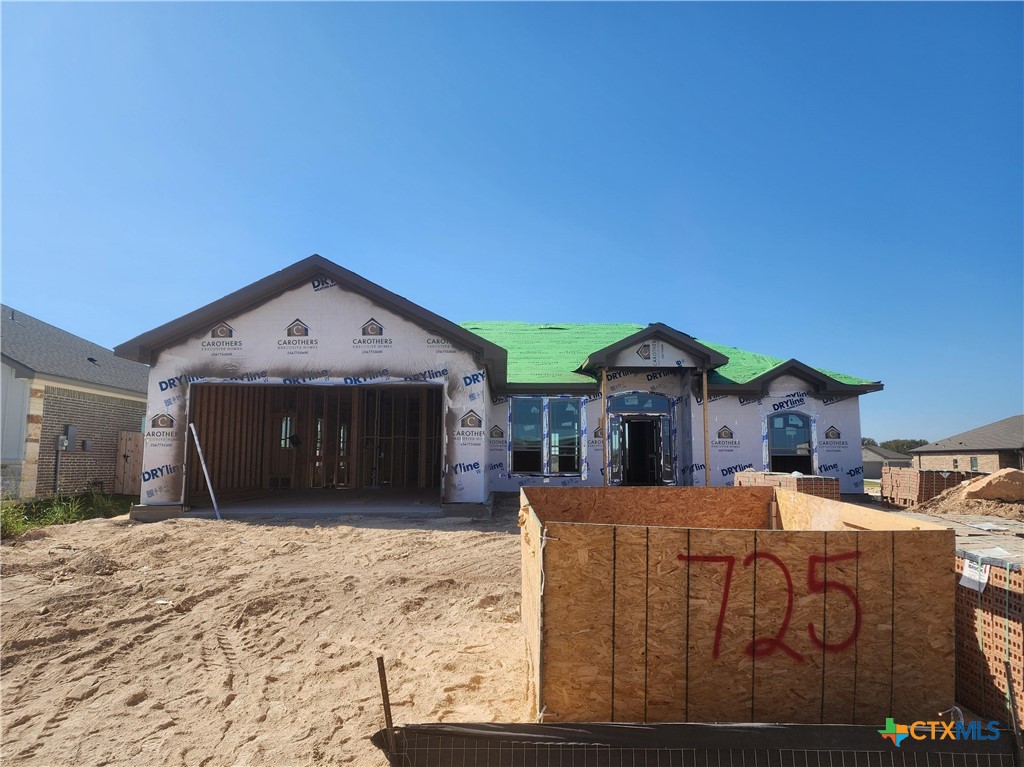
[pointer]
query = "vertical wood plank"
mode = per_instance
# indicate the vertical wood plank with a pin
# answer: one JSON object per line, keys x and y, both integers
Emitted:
{"x": 873, "y": 680}
{"x": 666, "y": 634}
{"x": 787, "y": 666}
{"x": 924, "y": 642}
{"x": 531, "y": 563}
{"x": 842, "y": 627}
{"x": 578, "y": 625}
{"x": 629, "y": 696}
{"x": 721, "y": 625}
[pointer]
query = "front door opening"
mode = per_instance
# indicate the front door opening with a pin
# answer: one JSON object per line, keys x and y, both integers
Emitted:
{"x": 789, "y": 443}
{"x": 640, "y": 440}
{"x": 642, "y": 460}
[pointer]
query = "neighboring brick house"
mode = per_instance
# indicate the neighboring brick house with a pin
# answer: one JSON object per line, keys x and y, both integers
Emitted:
{"x": 875, "y": 457}
{"x": 998, "y": 445}
{"x": 51, "y": 380}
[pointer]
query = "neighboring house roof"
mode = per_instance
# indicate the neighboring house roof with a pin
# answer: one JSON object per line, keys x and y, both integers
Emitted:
{"x": 32, "y": 347}
{"x": 885, "y": 454}
{"x": 554, "y": 353}
{"x": 1007, "y": 434}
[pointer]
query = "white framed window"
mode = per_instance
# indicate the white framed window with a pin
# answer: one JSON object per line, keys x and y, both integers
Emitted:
{"x": 546, "y": 436}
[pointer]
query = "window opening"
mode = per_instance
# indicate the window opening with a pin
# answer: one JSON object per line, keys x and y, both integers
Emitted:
{"x": 551, "y": 424}
{"x": 789, "y": 443}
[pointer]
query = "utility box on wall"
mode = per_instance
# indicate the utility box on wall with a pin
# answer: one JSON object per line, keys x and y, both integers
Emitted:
{"x": 684, "y": 605}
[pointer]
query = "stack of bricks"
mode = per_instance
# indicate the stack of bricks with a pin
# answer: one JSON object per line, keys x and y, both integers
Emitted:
{"x": 990, "y": 632}
{"x": 909, "y": 487}
{"x": 823, "y": 487}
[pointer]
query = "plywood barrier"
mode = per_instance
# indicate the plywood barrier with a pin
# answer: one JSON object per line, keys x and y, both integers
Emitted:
{"x": 799, "y": 511}
{"x": 655, "y": 619}
{"x": 746, "y": 507}
{"x": 531, "y": 568}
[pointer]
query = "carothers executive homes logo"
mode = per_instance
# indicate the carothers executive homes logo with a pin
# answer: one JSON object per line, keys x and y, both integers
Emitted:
{"x": 222, "y": 330}
{"x": 372, "y": 328}
{"x": 644, "y": 352}
{"x": 371, "y": 338}
{"x": 162, "y": 421}
{"x": 221, "y": 341}
{"x": 471, "y": 421}
{"x": 298, "y": 329}
{"x": 939, "y": 730}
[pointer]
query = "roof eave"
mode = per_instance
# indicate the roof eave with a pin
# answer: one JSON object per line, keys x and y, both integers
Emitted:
{"x": 20, "y": 370}
{"x": 657, "y": 330}
{"x": 820, "y": 382}
{"x": 142, "y": 347}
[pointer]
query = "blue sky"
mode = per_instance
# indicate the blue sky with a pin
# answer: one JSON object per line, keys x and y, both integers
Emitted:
{"x": 840, "y": 183}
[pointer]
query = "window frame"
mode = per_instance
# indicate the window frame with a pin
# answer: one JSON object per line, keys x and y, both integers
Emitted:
{"x": 546, "y": 431}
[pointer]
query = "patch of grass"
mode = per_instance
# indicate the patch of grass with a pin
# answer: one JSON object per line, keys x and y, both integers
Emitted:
{"x": 12, "y": 518}
{"x": 20, "y": 516}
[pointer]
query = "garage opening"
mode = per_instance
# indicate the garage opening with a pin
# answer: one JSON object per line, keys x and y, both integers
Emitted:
{"x": 265, "y": 439}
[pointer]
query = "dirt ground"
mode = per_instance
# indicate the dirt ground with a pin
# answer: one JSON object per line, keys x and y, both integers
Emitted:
{"x": 194, "y": 642}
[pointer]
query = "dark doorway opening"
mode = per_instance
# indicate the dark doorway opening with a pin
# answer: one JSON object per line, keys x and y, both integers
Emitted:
{"x": 643, "y": 454}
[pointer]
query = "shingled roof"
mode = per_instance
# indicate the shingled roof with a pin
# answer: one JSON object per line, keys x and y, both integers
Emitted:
{"x": 885, "y": 454}
{"x": 553, "y": 353}
{"x": 1007, "y": 434}
{"x": 32, "y": 346}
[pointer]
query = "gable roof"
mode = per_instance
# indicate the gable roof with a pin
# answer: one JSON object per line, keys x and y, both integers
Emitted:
{"x": 1007, "y": 434}
{"x": 656, "y": 331}
{"x": 559, "y": 353}
{"x": 32, "y": 346}
{"x": 885, "y": 454}
{"x": 141, "y": 348}
{"x": 519, "y": 356}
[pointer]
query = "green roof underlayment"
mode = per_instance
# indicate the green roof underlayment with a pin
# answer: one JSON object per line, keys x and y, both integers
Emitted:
{"x": 552, "y": 353}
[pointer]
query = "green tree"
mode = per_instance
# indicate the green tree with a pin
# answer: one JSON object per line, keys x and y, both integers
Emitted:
{"x": 868, "y": 442}
{"x": 903, "y": 445}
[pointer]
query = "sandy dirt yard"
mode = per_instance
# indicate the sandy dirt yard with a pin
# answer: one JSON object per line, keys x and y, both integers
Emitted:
{"x": 194, "y": 642}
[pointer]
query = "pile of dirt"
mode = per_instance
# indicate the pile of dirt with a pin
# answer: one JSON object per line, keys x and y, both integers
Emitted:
{"x": 955, "y": 500}
{"x": 198, "y": 642}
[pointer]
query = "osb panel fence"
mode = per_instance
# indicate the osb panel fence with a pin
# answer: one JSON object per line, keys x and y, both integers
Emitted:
{"x": 990, "y": 632}
{"x": 677, "y": 604}
{"x": 909, "y": 487}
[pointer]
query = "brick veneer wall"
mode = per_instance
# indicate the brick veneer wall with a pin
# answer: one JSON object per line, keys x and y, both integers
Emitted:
{"x": 989, "y": 632}
{"x": 99, "y": 418}
{"x": 823, "y": 487}
{"x": 987, "y": 462}
{"x": 909, "y": 487}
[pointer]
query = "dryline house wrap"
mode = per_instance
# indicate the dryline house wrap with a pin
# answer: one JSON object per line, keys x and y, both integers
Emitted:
{"x": 316, "y": 377}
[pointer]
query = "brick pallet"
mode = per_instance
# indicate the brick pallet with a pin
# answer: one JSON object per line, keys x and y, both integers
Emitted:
{"x": 822, "y": 487}
{"x": 909, "y": 487}
{"x": 990, "y": 632}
